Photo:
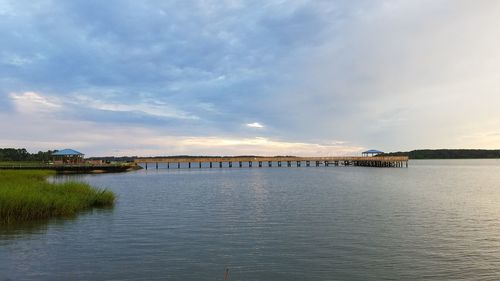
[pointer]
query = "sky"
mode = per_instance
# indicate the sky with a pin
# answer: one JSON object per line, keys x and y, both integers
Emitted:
{"x": 230, "y": 77}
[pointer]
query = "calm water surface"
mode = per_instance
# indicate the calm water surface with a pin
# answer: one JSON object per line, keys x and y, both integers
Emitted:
{"x": 437, "y": 220}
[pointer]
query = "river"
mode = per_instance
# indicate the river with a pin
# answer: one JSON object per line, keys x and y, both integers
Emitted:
{"x": 436, "y": 220}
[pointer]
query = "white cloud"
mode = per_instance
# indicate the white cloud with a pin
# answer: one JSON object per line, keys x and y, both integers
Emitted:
{"x": 99, "y": 139}
{"x": 29, "y": 102}
{"x": 156, "y": 108}
{"x": 263, "y": 146}
{"x": 255, "y": 125}
{"x": 149, "y": 143}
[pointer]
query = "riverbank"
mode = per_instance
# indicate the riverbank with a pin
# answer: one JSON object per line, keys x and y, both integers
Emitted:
{"x": 26, "y": 195}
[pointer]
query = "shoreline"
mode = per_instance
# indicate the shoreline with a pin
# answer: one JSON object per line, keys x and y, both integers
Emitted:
{"x": 74, "y": 169}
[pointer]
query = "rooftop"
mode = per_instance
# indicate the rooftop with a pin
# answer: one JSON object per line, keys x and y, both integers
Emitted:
{"x": 371, "y": 151}
{"x": 67, "y": 152}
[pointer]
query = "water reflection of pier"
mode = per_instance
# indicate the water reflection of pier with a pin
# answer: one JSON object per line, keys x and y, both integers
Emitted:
{"x": 285, "y": 161}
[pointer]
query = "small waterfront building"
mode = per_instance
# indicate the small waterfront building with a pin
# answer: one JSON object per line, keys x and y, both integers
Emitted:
{"x": 67, "y": 156}
{"x": 371, "y": 152}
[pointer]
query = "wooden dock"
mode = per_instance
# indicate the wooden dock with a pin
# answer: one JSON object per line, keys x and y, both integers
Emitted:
{"x": 74, "y": 168}
{"x": 285, "y": 161}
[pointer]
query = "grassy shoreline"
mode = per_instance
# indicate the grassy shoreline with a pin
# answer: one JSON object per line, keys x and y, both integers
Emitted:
{"x": 26, "y": 195}
{"x": 84, "y": 168}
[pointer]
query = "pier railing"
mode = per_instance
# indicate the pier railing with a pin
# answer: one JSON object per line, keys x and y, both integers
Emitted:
{"x": 277, "y": 161}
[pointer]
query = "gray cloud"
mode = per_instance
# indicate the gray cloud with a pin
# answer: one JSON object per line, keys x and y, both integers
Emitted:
{"x": 402, "y": 76}
{"x": 389, "y": 75}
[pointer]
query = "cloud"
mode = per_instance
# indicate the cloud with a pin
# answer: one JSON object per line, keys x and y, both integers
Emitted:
{"x": 31, "y": 102}
{"x": 264, "y": 146}
{"x": 399, "y": 76}
{"x": 153, "y": 108}
{"x": 255, "y": 125}
{"x": 100, "y": 139}
{"x": 388, "y": 75}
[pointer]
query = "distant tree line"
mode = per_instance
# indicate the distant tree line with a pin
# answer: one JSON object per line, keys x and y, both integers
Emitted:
{"x": 21, "y": 154}
{"x": 109, "y": 159}
{"x": 448, "y": 154}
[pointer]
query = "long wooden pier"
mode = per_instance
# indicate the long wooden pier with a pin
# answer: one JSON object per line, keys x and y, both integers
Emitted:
{"x": 285, "y": 161}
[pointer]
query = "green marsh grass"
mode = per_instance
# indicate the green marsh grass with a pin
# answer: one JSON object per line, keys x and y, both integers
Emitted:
{"x": 26, "y": 195}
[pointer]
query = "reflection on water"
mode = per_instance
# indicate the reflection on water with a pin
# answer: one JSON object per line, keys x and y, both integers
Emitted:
{"x": 20, "y": 230}
{"x": 437, "y": 220}
{"x": 24, "y": 229}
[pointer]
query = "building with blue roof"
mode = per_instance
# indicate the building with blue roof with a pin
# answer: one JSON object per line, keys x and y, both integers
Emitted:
{"x": 67, "y": 156}
{"x": 371, "y": 152}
